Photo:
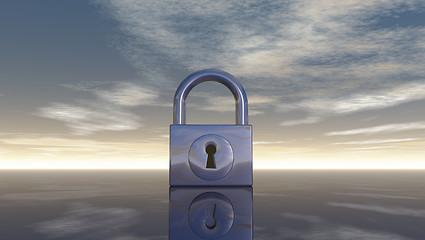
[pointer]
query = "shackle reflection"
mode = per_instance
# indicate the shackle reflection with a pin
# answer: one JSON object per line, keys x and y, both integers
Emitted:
{"x": 210, "y": 213}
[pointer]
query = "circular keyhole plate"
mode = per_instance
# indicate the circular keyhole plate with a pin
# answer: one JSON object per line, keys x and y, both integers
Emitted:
{"x": 223, "y": 215}
{"x": 223, "y": 157}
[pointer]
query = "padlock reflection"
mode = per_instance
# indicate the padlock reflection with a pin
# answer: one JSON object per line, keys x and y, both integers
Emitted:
{"x": 211, "y": 213}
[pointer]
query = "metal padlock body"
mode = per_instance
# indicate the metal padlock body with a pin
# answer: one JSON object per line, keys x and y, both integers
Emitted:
{"x": 183, "y": 136}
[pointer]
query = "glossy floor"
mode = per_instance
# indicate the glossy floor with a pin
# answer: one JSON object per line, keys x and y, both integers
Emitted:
{"x": 139, "y": 205}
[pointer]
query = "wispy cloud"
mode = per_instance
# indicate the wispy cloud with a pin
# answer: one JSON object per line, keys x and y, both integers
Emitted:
{"x": 120, "y": 93}
{"x": 109, "y": 111}
{"x": 372, "y": 148}
{"x": 59, "y": 143}
{"x": 266, "y": 142}
{"x": 322, "y": 107}
{"x": 293, "y": 50}
{"x": 85, "y": 120}
{"x": 307, "y": 120}
{"x": 209, "y": 102}
{"x": 128, "y": 94}
{"x": 363, "y": 101}
{"x": 377, "y": 141}
{"x": 393, "y": 210}
{"x": 389, "y": 128}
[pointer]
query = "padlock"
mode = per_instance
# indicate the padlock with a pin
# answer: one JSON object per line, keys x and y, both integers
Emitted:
{"x": 210, "y": 155}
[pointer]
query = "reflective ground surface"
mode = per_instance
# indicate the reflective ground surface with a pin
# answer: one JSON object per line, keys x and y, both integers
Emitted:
{"x": 135, "y": 205}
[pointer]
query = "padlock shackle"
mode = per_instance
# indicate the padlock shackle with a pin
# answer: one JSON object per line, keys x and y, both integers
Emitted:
{"x": 241, "y": 101}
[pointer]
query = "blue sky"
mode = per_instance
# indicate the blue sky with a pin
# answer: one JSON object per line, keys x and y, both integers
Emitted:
{"x": 329, "y": 83}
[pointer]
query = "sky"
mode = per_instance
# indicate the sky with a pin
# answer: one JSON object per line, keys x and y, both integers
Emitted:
{"x": 330, "y": 84}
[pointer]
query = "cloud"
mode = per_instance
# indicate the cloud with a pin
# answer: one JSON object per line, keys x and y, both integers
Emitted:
{"x": 396, "y": 96}
{"x": 377, "y": 141}
{"x": 83, "y": 221}
{"x": 120, "y": 93}
{"x": 371, "y": 148}
{"x": 266, "y": 142}
{"x": 110, "y": 111}
{"x": 389, "y": 128}
{"x": 326, "y": 58}
{"x": 60, "y": 143}
{"x": 128, "y": 94}
{"x": 207, "y": 101}
{"x": 85, "y": 120}
{"x": 307, "y": 120}
{"x": 322, "y": 107}
{"x": 393, "y": 210}
{"x": 291, "y": 49}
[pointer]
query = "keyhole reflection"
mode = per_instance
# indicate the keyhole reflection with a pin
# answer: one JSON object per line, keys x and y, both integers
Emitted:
{"x": 210, "y": 222}
{"x": 198, "y": 213}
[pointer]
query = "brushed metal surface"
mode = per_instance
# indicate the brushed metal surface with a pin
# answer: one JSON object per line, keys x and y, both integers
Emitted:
{"x": 182, "y": 137}
{"x": 179, "y": 116}
{"x": 185, "y": 161}
{"x": 223, "y": 157}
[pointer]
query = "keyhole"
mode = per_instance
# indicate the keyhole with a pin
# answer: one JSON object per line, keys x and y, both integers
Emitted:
{"x": 210, "y": 150}
{"x": 210, "y": 223}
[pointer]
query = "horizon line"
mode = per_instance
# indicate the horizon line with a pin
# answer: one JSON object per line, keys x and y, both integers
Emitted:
{"x": 254, "y": 169}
